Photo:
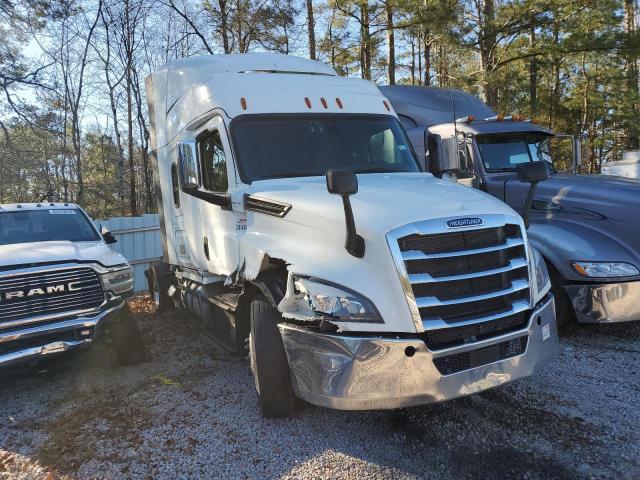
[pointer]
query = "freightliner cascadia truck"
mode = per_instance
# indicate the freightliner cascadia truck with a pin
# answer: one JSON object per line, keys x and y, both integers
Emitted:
{"x": 583, "y": 225}
{"x": 61, "y": 286}
{"x": 297, "y": 220}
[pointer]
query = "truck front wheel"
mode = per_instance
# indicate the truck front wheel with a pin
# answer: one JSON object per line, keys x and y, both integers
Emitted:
{"x": 159, "y": 281}
{"x": 268, "y": 359}
{"x": 564, "y": 309}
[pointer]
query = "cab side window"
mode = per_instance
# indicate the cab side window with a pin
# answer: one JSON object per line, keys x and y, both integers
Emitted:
{"x": 213, "y": 163}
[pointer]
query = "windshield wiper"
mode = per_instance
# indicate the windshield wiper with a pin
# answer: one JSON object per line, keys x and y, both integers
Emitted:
{"x": 377, "y": 170}
{"x": 287, "y": 175}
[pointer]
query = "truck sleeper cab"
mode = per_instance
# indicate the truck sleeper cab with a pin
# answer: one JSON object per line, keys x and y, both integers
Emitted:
{"x": 61, "y": 287}
{"x": 581, "y": 224}
{"x": 285, "y": 228}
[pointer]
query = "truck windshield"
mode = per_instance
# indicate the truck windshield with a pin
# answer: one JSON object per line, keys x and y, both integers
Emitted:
{"x": 45, "y": 225}
{"x": 502, "y": 153}
{"x": 279, "y": 146}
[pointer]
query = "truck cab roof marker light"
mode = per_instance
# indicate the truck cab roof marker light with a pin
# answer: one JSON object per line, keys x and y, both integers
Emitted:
{"x": 386, "y": 105}
{"x": 243, "y": 103}
{"x": 307, "y": 101}
{"x": 339, "y": 103}
{"x": 466, "y": 119}
{"x": 324, "y": 102}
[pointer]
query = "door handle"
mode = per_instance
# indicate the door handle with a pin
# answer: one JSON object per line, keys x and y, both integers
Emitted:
{"x": 206, "y": 247}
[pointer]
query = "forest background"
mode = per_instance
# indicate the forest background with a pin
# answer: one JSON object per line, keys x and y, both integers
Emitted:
{"x": 73, "y": 120}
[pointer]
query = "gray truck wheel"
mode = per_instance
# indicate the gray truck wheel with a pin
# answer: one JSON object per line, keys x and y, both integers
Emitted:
{"x": 126, "y": 339}
{"x": 159, "y": 281}
{"x": 564, "y": 309}
{"x": 269, "y": 363}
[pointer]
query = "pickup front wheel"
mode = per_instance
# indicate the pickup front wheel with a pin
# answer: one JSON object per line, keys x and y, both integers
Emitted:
{"x": 126, "y": 339}
{"x": 269, "y": 363}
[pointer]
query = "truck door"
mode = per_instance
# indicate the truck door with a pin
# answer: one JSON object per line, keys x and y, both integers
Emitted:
{"x": 220, "y": 226}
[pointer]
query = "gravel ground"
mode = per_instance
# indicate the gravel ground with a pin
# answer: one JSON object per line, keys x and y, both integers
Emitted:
{"x": 184, "y": 414}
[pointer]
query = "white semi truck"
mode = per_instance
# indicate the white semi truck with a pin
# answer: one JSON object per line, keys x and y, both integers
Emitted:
{"x": 296, "y": 220}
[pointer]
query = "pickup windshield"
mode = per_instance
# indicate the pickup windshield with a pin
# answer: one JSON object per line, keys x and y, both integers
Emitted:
{"x": 45, "y": 225}
{"x": 306, "y": 145}
{"x": 502, "y": 153}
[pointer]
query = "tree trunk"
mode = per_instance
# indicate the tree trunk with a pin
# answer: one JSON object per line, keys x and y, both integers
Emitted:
{"x": 224, "y": 25}
{"x": 427, "y": 61}
{"x": 391, "y": 64}
{"x": 128, "y": 77}
{"x": 633, "y": 131}
{"x": 365, "y": 40}
{"x": 413, "y": 62}
{"x": 533, "y": 76}
{"x": 311, "y": 26}
{"x": 487, "y": 44}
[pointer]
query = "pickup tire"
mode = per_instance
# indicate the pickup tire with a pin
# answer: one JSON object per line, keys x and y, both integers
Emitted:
{"x": 126, "y": 339}
{"x": 268, "y": 361}
{"x": 159, "y": 279}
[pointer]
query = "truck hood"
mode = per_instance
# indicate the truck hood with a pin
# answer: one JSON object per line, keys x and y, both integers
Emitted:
{"x": 384, "y": 201}
{"x": 22, "y": 254}
{"x": 602, "y": 196}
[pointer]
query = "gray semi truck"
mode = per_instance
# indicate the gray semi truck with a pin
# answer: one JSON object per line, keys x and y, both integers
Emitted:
{"x": 583, "y": 225}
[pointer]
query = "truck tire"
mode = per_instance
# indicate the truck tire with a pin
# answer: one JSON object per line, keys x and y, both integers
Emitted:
{"x": 159, "y": 280}
{"x": 268, "y": 361}
{"x": 564, "y": 309}
{"x": 126, "y": 339}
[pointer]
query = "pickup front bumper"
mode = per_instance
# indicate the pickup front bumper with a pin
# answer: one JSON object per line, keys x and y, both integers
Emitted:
{"x": 605, "y": 303}
{"x": 34, "y": 343}
{"x": 367, "y": 372}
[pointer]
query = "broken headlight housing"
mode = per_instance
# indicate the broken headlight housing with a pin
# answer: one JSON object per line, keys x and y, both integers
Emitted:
{"x": 541, "y": 280}
{"x": 118, "y": 279}
{"x": 315, "y": 299}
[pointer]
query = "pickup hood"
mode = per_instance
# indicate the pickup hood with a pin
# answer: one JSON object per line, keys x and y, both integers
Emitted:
{"x": 383, "y": 202}
{"x": 21, "y": 254}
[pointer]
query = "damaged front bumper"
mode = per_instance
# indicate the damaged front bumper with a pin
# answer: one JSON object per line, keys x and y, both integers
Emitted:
{"x": 366, "y": 372}
{"x": 29, "y": 345}
{"x": 605, "y": 303}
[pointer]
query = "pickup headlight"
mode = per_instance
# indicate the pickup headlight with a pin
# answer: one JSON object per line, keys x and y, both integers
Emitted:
{"x": 605, "y": 269}
{"x": 118, "y": 280}
{"x": 541, "y": 279}
{"x": 315, "y": 299}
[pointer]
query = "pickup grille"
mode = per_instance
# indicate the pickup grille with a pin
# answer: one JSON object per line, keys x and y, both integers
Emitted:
{"x": 468, "y": 285}
{"x": 48, "y": 293}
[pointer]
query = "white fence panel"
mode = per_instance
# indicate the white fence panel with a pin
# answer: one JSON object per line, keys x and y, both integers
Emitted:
{"x": 138, "y": 240}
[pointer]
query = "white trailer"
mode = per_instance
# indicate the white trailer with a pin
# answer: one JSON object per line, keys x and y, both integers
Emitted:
{"x": 628, "y": 167}
{"x": 297, "y": 220}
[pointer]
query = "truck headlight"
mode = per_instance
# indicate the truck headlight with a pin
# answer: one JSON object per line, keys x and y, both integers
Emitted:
{"x": 315, "y": 299}
{"x": 118, "y": 280}
{"x": 541, "y": 279}
{"x": 605, "y": 269}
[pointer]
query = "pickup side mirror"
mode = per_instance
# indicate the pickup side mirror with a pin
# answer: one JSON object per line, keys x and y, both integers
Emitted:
{"x": 346, "y": 184}
{"x": 533, "y": 173}
{"x": 108, "y": 238}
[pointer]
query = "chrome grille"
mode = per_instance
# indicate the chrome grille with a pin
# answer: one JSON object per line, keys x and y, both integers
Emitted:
{"x": 464, "y": 285}
{"x": 48, "y": 293}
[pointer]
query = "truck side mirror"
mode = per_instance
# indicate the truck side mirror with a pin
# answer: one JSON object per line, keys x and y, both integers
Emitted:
{"x": 533, "y": 173}
{"x": 346, "y": 184}
{"x": 443, "y": 154}
{"x": 188, "y": 161}
{"x": 342, "y": 183}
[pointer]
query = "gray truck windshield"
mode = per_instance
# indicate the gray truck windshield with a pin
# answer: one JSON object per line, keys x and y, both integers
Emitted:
{"x": 279, "y": 146}
{"x": 45, "y": 225}
{"x": 502, "y": 153}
